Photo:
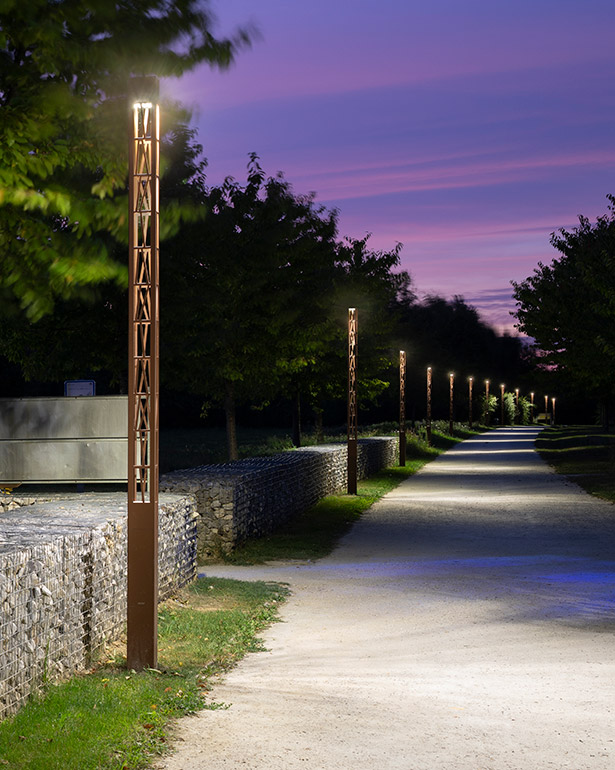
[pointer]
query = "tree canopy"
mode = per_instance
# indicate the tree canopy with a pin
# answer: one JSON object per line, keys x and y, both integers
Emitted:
{"x": 568, "y": 307}
{"x": 266, "y": 282}
{"x": 65, "y": 67}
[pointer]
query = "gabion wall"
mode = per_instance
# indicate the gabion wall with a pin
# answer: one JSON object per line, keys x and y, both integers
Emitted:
{"x": 63, "y": 559}
{"x": 252, "y": 497}
{"x": 63, "y": 582}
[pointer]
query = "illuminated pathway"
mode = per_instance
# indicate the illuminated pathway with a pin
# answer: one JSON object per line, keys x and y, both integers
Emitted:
{"x": 466, "y": 623}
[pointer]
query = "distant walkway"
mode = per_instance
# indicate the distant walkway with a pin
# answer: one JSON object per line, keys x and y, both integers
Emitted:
{"x": 465, "y": 623}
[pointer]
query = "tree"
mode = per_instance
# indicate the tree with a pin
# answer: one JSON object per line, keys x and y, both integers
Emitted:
{"x": 251, "y": 286}
{"x": 365, "y": 279}
{"x": 65, "y": 66}
{"x": 568, "y": 307}
{"x": 87, "y": 336}
{"x": 450, "y": 336}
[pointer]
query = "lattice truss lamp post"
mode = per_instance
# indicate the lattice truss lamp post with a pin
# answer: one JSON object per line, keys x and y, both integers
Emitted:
{"x": 143, "y": 354}
{"x": 428, "y": 413}
{"x": 352, "y": 401}
{"x": 402, "y": 407}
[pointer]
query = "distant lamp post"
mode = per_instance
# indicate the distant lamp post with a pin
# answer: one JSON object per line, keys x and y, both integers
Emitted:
{"x": 451, "y": 380}
{"x": 553, "y": 411}
{"x": 428, "y": 417}
{"x": 502, "y": 404}
{"x": 486, "y": 402}
{"x": 470, "y": 383}
{"x": 531, "y": 407}
{"x": 352, "y": 400}
{"x": 517, "y": 415}
{"x": 143, "y": 352}
{"x": 402, "y": 407}
{"x": 546, "y": 408}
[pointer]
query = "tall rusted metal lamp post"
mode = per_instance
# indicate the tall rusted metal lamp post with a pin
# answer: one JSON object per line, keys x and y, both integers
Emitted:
{"x": 531, "y": 407}
{"x": 402, "y": 407}
{"x": 502, "y": 387}
{"x": 352, "y": 401}
{"x": 470, "y": 384}
{"x": 428, "y": 415}
{"x": 546, "y": 408}
{"x": 451, "y": 379}
{"x": 486, "y": 402}
{"x": 142, "y": 573}
{"x": 517, "y": 414}
{"x": 553, "y": 410}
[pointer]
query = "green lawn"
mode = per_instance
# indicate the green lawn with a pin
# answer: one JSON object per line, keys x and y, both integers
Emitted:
{"x": 114, "y": 719}
{"x": 584, "y": 453}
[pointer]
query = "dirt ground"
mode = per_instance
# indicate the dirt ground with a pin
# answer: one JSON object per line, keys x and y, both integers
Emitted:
{"x": 465, "y": 623}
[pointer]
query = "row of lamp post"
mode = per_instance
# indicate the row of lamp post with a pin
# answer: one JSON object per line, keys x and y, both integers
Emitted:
{"x": 143, "y": 379}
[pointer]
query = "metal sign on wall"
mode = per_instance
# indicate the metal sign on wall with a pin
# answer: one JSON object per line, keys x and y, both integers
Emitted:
{"x": 79, "y": 388}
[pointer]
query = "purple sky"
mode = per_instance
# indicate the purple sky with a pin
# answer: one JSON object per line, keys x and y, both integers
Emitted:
{"x": 468, "y": 131}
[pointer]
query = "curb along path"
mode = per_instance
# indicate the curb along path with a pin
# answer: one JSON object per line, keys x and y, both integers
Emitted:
{"x": 465, "y": 623}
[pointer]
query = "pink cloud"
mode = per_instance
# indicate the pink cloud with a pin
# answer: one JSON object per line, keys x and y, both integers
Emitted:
{"x": 345, "y": 181}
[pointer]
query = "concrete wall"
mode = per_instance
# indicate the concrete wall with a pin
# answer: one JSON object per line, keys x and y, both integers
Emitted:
{"x": 49, "y": 440}
{"x": 63, "y": 583}
{"x": 250, "y": 498}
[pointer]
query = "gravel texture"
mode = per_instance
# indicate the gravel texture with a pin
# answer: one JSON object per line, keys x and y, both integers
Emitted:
{"x": 465, "y": 623}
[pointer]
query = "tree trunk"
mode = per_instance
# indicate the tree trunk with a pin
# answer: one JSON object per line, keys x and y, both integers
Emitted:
{"x": 297, "y": 419}
{"x": 231, "y": 421}
{"x": 320, "y": 435}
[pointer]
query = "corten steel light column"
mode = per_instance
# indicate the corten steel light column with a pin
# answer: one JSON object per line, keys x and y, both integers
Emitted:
{"x": 142, "y": 629}
{"x": 502, "y": 387}
{"x": 402, "y": 407}
{"x": 470, "y": 383}
{"x": 553, "y": 410}
{"x": 517, "y": 415}
{"x": 486, "y": 402}
{"x": 546, "y": 408}
{"x": 451, "y": 379}
{"x": 531, "y": 407}
{"x": 352, "y": 401}
{"x": 428, "y": 416}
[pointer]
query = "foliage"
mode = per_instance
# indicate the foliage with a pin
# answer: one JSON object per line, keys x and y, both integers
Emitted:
{"x": 523, "y": 412}
{"x": 267, "y": 283}
{"x": 87, "y": 336}
{"x": 488, "y": 407}
{"x": 253, "y": 278}
{"x": 509, "y": 409}
{"x": 65, "y": 69}
{"x": 568, "y": 307}
{"x": 450, "y": 336}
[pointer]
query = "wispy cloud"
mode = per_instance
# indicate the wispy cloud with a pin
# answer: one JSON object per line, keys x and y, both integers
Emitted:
{"x": 469, "y": 132}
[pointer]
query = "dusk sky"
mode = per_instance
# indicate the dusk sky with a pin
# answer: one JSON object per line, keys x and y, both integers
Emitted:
{"x": 467, "y": 131}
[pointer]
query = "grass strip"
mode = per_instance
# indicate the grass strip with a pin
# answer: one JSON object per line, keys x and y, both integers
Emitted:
{"x": 584, "y": 453}
{"x": 114, "y": 719}
{"x": 316, "y": 532}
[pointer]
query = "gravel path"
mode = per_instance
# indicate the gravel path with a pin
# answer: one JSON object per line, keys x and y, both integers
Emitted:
{"x": 466, "y": 623}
